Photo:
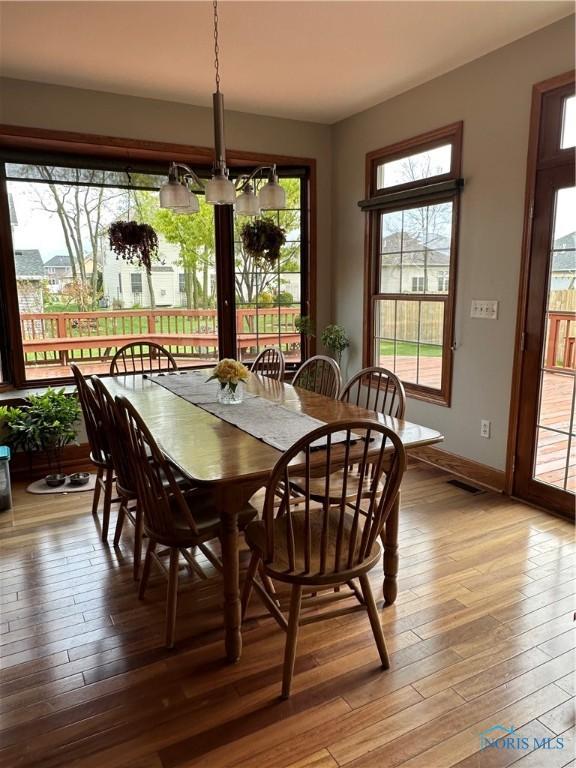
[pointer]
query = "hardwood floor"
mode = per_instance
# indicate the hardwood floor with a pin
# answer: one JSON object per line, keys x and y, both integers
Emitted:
{"x": 481, "y": 635}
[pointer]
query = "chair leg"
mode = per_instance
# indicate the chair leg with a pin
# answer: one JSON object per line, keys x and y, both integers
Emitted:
{"x": 120, "y": 522}
{"x": 268, "y": 583}
{"x": 138, "y": 536}
{"x": 172, "y": 597}
{"x": 291, "y": 639}
{"x": 375, "y": 621}
{"x": 146, "y": 570}
{"x": 97, "y": 489}
{"x": 247, "y": 590}
{"x": 109, "y": 482}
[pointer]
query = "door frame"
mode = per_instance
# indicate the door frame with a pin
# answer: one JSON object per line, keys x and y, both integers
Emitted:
{"x": 539, "y": 91}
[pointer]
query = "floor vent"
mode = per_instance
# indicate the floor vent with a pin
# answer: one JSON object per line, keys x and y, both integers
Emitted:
{"x": 465, "y": 487}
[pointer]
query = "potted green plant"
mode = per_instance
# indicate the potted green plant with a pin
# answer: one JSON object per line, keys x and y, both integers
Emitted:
{"x": 335, "y": 340}
{"x": 262, "y": 239}
{"x": 305, "y": 326}
{"x": 133, "y": 242}
{"x": 47, "y": 423}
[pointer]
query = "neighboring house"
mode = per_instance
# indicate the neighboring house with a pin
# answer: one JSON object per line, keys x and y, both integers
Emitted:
{"x": 127, "y": 285}
{"x": 58, "y": 271}
{"x": 29, "y": 277}
{"x": 410, "y": 266}
{"x": 563, "y": 276}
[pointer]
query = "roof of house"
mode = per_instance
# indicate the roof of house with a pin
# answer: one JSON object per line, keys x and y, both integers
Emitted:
{"x": 29, "y": 264}
{"x": 411, "y": 250}
{"x": 60, "y": 260}
{"x": 564, "y": 261}
{"x": 566, "y": 241}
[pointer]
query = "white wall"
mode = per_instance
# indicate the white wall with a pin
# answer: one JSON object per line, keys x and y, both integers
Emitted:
{"x": 492, "y": 96}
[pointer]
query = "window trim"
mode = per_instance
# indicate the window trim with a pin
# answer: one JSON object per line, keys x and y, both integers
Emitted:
{"x": 415, "y": 194}
{"x": 78, "y": 146}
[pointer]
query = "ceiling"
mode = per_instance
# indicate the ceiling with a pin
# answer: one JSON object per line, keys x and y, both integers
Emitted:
{"x": 319, "y": 61}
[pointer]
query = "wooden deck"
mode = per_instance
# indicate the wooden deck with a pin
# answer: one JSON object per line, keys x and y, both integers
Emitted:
{"x": 552, "y": 450}
{"x": 482, "y": 634}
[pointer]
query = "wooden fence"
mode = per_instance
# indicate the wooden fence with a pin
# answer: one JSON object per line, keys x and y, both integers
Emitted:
{"x": 58, "y": 337}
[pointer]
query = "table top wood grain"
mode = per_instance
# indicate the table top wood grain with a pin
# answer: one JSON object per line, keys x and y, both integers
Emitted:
{"x": 209, "y": 450}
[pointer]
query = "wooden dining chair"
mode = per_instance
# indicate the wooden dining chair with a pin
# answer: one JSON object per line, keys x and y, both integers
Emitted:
{"x": 376, "y": 389}
{"x": 129, "y": 508}
{"x": 142, "y": 356}
{"x": 100, "y": 455}
{"x": 270, "y": 362}
{"x": 173, "y": 519}
{"x": 329, "y": 545}
{"x": 125, "y": 486}
{"x": 319, "y": 374}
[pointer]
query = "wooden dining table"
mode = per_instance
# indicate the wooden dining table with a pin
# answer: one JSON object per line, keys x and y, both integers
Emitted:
{"x": 233, "y": 464}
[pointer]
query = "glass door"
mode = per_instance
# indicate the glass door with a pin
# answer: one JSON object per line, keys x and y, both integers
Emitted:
{"x": 545, "y": 471}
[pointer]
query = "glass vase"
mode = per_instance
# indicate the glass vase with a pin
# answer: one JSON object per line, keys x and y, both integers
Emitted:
{"x": 229, "y": 394}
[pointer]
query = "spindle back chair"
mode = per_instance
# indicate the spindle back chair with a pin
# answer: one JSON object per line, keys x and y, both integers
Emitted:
{"x": 270, "y": 362}
{"x": 125, "y": 484}
{"x": 376, "y": 389}
{"x": 311, "y": 544}
{"x": 168, "y": 516}
{"x": 100, "y": 454}
{"x": 319, "y": 374}
{"x": 142, "y": 357}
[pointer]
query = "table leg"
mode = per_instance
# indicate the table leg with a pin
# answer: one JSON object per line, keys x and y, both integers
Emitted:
{"x": 229, "y": 508}
{"x": 390, "y": 586}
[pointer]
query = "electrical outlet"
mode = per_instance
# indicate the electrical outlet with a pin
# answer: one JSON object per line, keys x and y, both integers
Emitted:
{"x": 486, "y": 310}
{"x": 485, "y": 428}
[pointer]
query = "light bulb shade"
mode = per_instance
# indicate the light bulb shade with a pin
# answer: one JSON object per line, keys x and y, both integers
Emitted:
{"x": 193, "y": 205}
{"x": 247, "y": 203}
{"x": 272, "y": 196}
{"x": 220, "y": 191}
{"x": 174, "y": 194}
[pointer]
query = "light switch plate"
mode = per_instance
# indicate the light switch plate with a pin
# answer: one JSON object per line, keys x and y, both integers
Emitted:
{"x": 487, "y": 310}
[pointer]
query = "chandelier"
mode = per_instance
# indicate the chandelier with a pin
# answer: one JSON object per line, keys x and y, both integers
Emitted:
{"x": 178, "y": 194}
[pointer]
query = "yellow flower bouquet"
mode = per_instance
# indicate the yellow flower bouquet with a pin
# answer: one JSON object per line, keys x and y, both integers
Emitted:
{"x": 229, "y": 373}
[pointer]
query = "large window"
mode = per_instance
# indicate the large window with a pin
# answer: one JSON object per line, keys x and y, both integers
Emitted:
{"x": 413, "y": 208}
{"x": 269, "y": 297}
{"x": 74, "y": 300}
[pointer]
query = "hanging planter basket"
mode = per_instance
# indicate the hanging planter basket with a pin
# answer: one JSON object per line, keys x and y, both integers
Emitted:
{"x": 262, "y": 239}
{"x": 133, "y": 242}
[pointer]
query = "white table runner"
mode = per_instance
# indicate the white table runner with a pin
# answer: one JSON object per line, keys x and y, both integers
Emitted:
{"x": 270, "y": 422}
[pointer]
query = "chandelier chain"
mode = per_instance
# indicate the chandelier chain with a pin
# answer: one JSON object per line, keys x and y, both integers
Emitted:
{"x": 216, "y": 48}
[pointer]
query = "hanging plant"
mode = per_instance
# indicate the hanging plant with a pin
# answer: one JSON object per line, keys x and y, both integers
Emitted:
{"x": 262, "y": 240}
{"x": 133, "y": 242}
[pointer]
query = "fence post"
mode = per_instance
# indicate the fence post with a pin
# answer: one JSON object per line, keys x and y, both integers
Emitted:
{"x": 61, "y": 330}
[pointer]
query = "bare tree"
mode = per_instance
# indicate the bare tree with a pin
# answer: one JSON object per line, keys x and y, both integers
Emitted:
{"x": 76, "y": 196}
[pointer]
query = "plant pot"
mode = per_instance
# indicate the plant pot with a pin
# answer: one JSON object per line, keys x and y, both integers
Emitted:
{"x": 79, "y": 478}
{"x": 55, "y": 480}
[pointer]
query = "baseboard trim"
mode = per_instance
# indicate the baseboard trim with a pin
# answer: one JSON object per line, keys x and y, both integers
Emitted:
{"x": 478, "y": 474}
{"x": 76, "y": 458}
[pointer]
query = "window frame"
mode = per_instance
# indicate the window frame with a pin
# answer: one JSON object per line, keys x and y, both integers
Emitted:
{"x": 30, "y": 143}
{"x": 429, "y": 191}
